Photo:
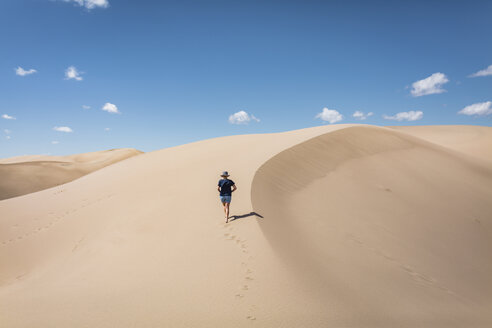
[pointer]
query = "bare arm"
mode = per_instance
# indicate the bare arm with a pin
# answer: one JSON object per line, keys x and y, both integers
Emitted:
{"x": 233, "y": 188}
{"x": 218, "y": 188}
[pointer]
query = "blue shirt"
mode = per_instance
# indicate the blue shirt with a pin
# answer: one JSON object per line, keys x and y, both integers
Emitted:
{"x": 225, "y": 187}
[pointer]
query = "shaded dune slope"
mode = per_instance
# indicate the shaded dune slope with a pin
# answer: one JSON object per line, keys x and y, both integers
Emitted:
{"x": 26, "y": 174}
{"x": 394, "y": 228}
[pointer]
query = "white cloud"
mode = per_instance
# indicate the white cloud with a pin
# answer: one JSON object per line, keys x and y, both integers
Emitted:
{"x": 406, "y": 116}
{"x": 62, "y": 129}
{"x": 7, "y": 132}
{"x": 72, "y": 73}
{"x": 107, "y": 129}
{"x": 22, "y": 72}
{"x": 110, "y": 108}
{"x": 86, "y": 107}
{"x": 90, "y": 4}
{"x": 429, "y": 85}
{"x": 484, "y": 108}
{"x": 361, "y": 116}
{"x": 484, "y": 72}
{"x": 8, "y": 117}
{"x": 330, "y": 115}
{"x": 54, "y": 142}
{"x": 242, "y": 117}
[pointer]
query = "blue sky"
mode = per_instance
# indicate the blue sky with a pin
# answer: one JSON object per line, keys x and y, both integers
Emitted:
{"x": 176, "y": 71}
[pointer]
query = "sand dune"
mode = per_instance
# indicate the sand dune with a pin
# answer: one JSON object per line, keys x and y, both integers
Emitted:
{"x": 390, "y": 228}
{"x": 361, "y": 226}
{"x": 26, "y": 174}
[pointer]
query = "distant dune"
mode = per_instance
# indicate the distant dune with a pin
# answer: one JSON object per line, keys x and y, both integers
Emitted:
{"x": 26, "y": 174}
{"x": 335, "y": 226}
{"x": 469, "y": 139}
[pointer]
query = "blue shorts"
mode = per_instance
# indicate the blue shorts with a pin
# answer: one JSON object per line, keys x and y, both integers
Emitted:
{"x": 225, "y": 199}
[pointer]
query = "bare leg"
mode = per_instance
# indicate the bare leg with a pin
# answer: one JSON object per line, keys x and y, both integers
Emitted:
{"x": 226, "y": 208}
{"x": 225, "y": 211}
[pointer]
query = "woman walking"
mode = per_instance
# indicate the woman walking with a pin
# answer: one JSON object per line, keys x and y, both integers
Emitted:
{"x": 226, "y": 187}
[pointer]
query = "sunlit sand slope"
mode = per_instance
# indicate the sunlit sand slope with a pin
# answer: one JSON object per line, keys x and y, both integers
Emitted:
{"x": 142, "y": 243}
{"x": 25, "y": 174}
{"x": 386, "y": 230}
{"x": 355, "y": 226}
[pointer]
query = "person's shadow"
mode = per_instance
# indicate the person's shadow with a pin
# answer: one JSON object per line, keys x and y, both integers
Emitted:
{"x": 237, "y": 217}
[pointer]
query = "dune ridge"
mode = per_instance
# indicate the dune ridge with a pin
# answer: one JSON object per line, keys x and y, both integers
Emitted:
{"x": 357, "y": 226}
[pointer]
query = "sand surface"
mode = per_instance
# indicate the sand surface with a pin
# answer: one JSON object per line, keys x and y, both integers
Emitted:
{"x": 361, "y": 226}
{"x": 26, "y": 174}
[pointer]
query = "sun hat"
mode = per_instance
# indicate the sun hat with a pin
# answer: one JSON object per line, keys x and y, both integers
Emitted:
{"x": 225, "y": 174}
